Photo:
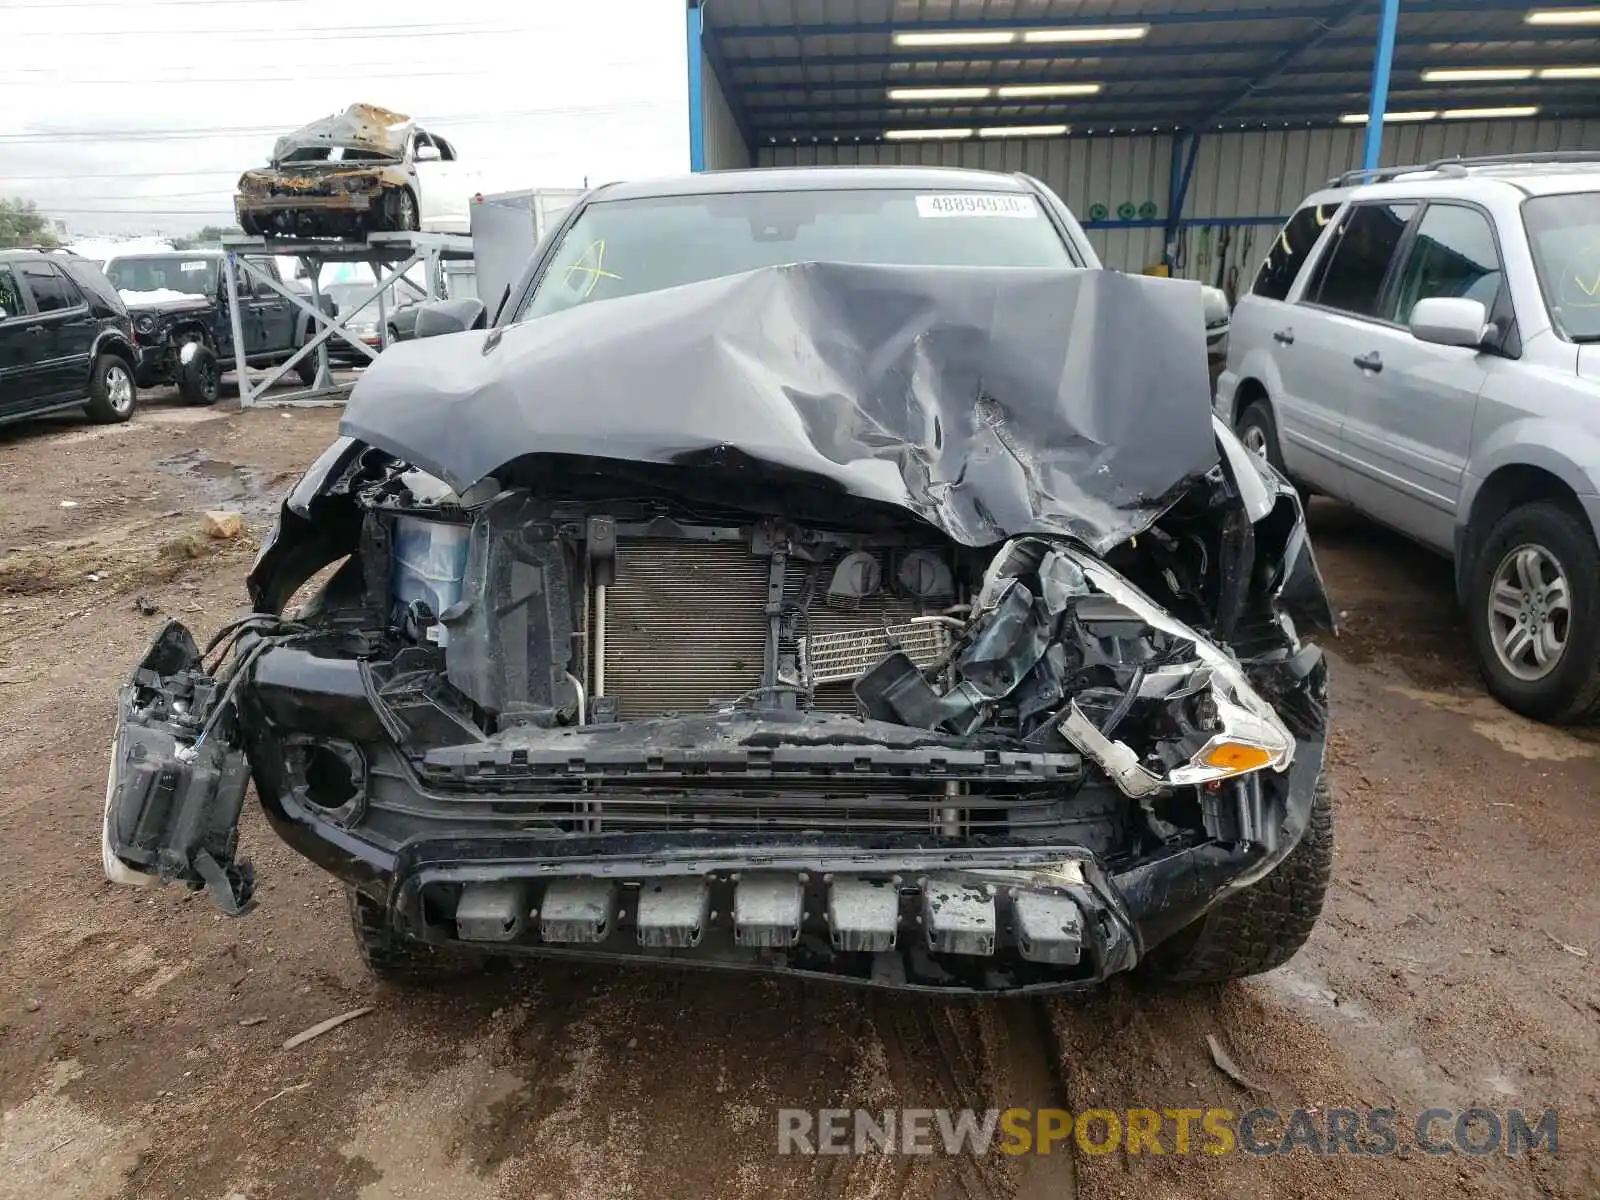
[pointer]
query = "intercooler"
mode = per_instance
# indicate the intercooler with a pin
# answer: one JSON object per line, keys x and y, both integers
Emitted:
{"x": 687, "y": 624}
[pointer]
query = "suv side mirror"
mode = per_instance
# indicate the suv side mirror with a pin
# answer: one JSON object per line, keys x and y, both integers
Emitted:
{"x": 427, "y": 154}
{"x": 1450, "y": 321}
{"x": 1216, "y": 305}
{"x": 449, "y": 316}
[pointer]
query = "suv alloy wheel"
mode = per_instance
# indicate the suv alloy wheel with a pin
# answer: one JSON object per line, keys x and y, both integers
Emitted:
{"x": 1533, "y": 610}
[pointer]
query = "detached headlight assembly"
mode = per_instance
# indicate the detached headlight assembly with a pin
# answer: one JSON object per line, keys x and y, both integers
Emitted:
{"x": 1209, "y": 702}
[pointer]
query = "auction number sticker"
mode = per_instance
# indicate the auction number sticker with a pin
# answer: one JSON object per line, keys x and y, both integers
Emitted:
{"x": 976, "y": 204}
{"x": 192, "y": 266}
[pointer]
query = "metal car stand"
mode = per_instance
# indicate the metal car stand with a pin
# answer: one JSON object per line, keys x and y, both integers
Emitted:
{"x": 390, "y": 256}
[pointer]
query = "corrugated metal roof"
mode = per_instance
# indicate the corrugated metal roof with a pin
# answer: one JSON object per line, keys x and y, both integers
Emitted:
{"x": 821, "y": 69}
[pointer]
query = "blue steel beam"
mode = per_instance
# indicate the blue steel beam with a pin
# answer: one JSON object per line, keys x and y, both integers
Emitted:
{"x": 695, "y": 23}
{"x": 1178, "y": 191}
{"x": 1286, "y": 59}
{"x": 1049, "y": 53}
{"x": 1383, "y": 59}
{"x": 1153, "y": 19}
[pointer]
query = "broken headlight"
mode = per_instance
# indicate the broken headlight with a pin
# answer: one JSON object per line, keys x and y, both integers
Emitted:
{"x": 1214, "y": 724}
{"x": 1060, "y": 646}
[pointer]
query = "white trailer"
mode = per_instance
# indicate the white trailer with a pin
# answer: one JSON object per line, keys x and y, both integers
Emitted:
{"x": 507, "y": 228}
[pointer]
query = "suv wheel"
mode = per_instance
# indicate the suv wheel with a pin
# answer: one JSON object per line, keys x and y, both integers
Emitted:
{"x": 1258, "y": 430}
{"x": 112, "y": 395}
{"x": 200, "y": 379}
{"x": 1264, "y": 925}
{"x": 1533, "y": 608}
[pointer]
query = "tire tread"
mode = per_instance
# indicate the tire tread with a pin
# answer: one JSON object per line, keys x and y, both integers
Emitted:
{"x": 99, "y": 405}
{"x": 1263, "y": 926}
{"x": 394, "y": 958}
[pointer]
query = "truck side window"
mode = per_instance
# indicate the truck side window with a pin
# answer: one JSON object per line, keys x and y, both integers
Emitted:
{"x": 1290, "y": 249}
{"x": 267, "y": 267}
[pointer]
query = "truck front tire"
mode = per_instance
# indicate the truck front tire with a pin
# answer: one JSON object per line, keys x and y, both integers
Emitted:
{"x": 1264, "y": 925}
{"x": 200, "y": 379}
{"x": 395, "y": 958}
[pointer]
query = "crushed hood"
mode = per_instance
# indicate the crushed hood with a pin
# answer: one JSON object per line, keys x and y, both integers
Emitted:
{"x": 989, "y": 402}
{"x": 361, "y": 126}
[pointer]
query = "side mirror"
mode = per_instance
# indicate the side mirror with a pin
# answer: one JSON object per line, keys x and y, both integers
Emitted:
{"x": 427, "y": 154}
{"x": 1449, "y": 321}
{"x": 449, "y": 316}
{"x": 1216, "y": 305}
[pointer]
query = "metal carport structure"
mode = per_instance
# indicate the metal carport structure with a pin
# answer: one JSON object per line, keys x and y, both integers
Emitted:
{"x": 1152, "y": 118}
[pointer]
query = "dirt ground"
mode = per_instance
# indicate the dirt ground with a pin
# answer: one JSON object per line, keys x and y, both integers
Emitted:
{"x": 141, "y": 1034}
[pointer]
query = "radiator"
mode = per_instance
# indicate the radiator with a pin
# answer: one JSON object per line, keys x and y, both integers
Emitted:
{"x": 686, "y": 625}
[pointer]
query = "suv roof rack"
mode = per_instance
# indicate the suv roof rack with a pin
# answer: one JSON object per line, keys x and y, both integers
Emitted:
{"x": 1385, "y": 174}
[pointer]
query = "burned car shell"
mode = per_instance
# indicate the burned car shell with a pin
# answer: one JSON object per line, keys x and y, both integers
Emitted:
{"x": 476, "y": 772}
{"x": 344, "y": 176}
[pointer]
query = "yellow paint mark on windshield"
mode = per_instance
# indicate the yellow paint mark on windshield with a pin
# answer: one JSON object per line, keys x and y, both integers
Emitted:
{"x": 590, "y": 268}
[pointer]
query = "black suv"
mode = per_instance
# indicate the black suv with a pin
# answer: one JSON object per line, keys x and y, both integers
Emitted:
{"x": 181, "y": 318}
{"x": 65, "y": 338}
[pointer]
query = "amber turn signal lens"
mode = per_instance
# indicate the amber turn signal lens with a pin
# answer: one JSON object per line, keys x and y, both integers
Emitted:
{"x": 1235, "y": 756}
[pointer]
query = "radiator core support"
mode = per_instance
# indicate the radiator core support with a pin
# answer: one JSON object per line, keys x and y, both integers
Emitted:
{"x": 699, "y": 619}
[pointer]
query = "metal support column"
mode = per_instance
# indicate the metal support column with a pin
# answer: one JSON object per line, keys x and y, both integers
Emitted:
{"x": 697, "y": 126}
{"x": 231, "y": 279}
{"x": 1183, "y": 161}
{"x": 324, "y": 377}
{"x": 1379, "y": 101}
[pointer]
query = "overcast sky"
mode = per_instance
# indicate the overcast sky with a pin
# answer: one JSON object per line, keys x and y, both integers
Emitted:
{"x": 138, "y": 116}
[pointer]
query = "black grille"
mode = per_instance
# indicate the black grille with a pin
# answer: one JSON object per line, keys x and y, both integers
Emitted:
{"x": 858, "y": 810}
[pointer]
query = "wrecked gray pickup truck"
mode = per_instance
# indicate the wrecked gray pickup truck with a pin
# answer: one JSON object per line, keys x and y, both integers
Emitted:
{"x": 911, "y": 626}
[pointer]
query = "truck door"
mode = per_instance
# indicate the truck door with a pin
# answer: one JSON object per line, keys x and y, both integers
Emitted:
{"x": 275, "y": 316}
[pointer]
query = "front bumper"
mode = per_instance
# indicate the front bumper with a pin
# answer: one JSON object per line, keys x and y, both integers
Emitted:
{"x": 503, "y": 861}
{"x": 157, "y": 365}
{"x": 919, "y": 913}
{"x": 353, "y": 202}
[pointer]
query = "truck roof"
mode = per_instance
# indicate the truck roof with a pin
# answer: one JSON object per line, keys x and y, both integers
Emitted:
{"x": 805, "y": 179}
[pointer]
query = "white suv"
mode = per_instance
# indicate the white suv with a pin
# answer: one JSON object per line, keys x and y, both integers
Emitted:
{"x": 1423, "y": 343}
